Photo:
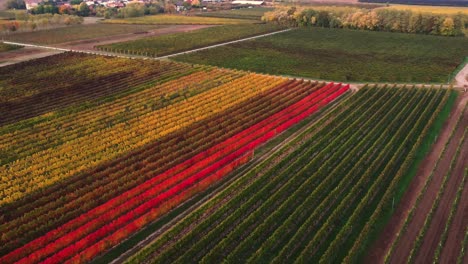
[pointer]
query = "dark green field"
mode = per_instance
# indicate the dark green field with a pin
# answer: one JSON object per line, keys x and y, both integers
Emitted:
{"x": 6, "y": 47}
{"x": 343, "y": 55}
{"x": 255, "y": 13}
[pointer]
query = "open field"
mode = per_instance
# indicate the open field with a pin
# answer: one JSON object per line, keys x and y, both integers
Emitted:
{"x": 172, "y": 43}
{"x": 78, "y": 32}
{"x": 320, "y": 196}
{"x": 255, "y": 13}
{"x": 431, "y": 9}
{"x": 179, "y": 20}
{"x": 171, "y": 131}
{"x": 344, "y": 55}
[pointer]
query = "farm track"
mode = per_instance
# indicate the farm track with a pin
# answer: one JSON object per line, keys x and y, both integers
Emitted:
{"x": 457, "y": 230}
{"x": 403, "y": 248}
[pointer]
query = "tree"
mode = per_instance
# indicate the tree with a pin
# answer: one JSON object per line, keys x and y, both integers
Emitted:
{"x": 83, "y": 9}
{"x": 448, "y": 27}
{"x": 75, "y": 2}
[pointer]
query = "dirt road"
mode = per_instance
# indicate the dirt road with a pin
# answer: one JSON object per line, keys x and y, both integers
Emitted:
{"x": 389, "y": 234}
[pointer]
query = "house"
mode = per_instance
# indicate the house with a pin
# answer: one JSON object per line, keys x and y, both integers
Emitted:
{"x": 30, "y": 4}
{"x": 248, "y": 2}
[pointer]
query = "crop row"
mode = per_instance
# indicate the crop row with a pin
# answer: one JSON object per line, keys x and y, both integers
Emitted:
{"x": 262, "y": 186}
{"x": 387, "y": 202}
{"x": 71, "y": 197}
{"x": 252, "y": 137}
{"x": 253, "y": 181}
{"x": 281, "y": 189}
{"x": 453, "y": 210}
{"x": 46, "y": 167}
{"x": 427, "y": 221}
{"x": 41, "y": 87}
{"x": 303, "y": 208}
{"x": 27, "y": 141}
{"x": 420, "y": 195}
{"x": 37, "y": 221}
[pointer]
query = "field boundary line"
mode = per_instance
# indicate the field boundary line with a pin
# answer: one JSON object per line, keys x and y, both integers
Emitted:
{"x": 223, "y": 44}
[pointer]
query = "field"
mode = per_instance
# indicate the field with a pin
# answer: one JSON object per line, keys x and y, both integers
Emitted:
{"x": 343, "y": 55}
{"x": 172, "y": 43}
{"x": 78, "y": 32}
{"x": 255, "y": 13}
{"x": 320, "y": 197}
{"x": 431, "y": 9}
{"x": 96, "y": 166}
{"x": 5, "y": 47}
{"x": 179, "y": 20}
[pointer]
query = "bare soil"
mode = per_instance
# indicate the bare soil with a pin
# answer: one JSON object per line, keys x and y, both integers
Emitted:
{"x": 456, "y": 231}
{"x": 437, "y": 225}
{"x": 90, "y": 44}
{"x": 389, "y": 234}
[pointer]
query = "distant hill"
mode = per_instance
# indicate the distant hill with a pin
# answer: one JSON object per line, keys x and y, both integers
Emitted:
{"x": 421, "y": 2}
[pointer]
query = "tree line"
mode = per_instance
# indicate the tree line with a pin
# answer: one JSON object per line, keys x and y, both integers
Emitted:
{"x": 379, "y": 19}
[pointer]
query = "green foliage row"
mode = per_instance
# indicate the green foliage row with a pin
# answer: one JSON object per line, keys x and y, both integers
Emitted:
{"x": 370, "y": 208}
{"x": 418, "y": 199}
{"x": 172, "y": 43}
{"x": 435, "y": 204}
{"x": 391, "y": 20}
{"x": 387, "y": 203}
{"x": 453, "y": 210}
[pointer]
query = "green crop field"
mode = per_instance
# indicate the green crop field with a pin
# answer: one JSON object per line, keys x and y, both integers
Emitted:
{"x": 255, "y": 13}
{"x": 167, "y": 44}
{"x": 344, "y": 55}
{"x": 6, "y": 47}
{"x": 78, "y": 32}
{"x": 179, "y": 20}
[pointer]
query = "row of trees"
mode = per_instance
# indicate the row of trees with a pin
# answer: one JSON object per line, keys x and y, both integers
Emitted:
{"x": 26, "y": 22}
{"x": 376, "y": 19}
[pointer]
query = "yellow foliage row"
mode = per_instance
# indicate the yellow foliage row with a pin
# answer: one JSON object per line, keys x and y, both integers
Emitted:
{"x": 72, "y": 126}
{"x": 51, "y": 165}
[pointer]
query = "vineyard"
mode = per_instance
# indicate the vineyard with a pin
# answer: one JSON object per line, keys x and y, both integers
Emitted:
{"x": 173, "y": 43}
{"x": 93, "y": 148}
{"x": 342, "y": 55}
{"x": 320, "y": 196}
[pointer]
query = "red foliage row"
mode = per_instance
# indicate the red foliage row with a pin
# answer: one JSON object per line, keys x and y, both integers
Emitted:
{"x": 165, "y": 191}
